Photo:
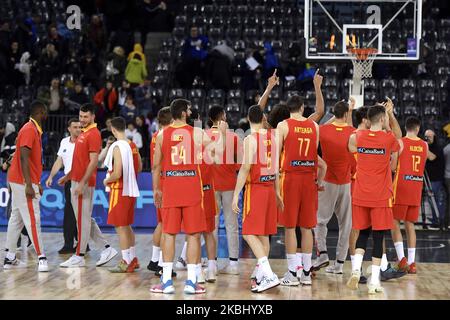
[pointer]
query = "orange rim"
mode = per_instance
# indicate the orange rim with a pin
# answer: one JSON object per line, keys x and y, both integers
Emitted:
{"x": 362, "y": 53}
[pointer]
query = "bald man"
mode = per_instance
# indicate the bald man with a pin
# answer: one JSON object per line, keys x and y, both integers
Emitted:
{"x": 436, "y": 171}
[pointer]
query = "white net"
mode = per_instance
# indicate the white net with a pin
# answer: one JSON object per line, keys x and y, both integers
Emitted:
{"x": 362, "y": 64}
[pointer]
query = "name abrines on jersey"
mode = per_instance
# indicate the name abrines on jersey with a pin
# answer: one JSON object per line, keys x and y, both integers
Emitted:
{"x": 376, "y": 151}
{"x": 181, "y": 173}
{"x": 267, "y": 178}
{"x": 303, "y": 163}
{"x": 409, "y": 177}
{"x": 416, "y": 148}
{"x": 303, "y": 130}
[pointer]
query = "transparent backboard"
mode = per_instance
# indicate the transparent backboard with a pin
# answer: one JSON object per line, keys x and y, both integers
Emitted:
{"x": 393, "y": 27}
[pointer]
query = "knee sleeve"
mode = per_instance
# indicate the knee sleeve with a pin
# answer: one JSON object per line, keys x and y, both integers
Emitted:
{"x": 378, "y": 243}
{"x": 298, "y": 234}
{"x": 361, "y": 243}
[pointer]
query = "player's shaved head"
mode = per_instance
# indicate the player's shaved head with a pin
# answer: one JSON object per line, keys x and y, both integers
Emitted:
{"x": 164, "y": 116}
{"x": 295, "y": 103}
{"x": 37, "y": 107}
{"x": 375, "y": 113}
{"x": 340, "y": 109}
{"x": 255, "y": 114}
{"x": 412, "y": 124}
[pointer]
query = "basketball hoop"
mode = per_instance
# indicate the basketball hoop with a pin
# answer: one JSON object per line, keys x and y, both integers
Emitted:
{"x": 362, "y": 59}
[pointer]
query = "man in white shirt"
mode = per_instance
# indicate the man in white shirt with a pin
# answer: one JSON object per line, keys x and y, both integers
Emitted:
{"x": 133, "y": 134}
{"x": 64, "y": 159}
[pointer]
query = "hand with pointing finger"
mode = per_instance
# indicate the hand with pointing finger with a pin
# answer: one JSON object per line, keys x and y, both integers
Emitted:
{"x": 317, "y": 80}
{"x": 273, "y": 80}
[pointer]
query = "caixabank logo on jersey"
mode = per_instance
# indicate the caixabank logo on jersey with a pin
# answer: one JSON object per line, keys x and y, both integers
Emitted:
{"x": 374, "y": 151}
{"x": 267, "y": 178}
{"x": 303, "y": 163}
{"x": 181, "y": 173}
{"x": 409, "y": 177}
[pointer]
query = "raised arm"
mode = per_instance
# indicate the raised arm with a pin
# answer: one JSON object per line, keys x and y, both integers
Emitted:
{"x": 351, "y": 107}
{"x": 393, "y": 123}
{"x": 352, "y": 143}
{"x": 320, "y": 104}
{"x": 271, "y": 83}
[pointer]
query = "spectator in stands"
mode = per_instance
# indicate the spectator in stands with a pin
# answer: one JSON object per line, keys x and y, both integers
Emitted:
{"x": 96, "y": 34}
{"x": 136, "y": 71}
{"x": 143, "y": 98}
{"x": 139, "y": 51}
{"x": 106, "y": 132}
{"x": 142, "y": 128}
{"x": 252, "y": 74}
{"x": 106, "y": 102}
{"x": 152, "y": 17}
{"x": 128, "y": 111}
{"x": 52, "y": 96}
{"x": 194, "y": 53}
{"x": 436, "y": 172}
{"x": 25, "y": 32}
{"x": 8, "y": 136}
{"x": 133, "y": 134}
{"x": 91, "y": 70}
{"x": 115, "y": 68}
{"x": 124, "y": 91}
{"x": 58, "y": 41}
{"x": 76, "y": 99}
{"x": 48, "y": 64}
{"x": 219, "y": 64}
{"x": 5, "y": 40}
{"x": 15, "y": 76}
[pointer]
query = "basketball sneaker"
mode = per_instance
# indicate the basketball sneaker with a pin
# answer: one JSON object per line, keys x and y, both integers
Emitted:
{"x": 402, "y": 265}
{"x": 106, "y": 256}
{"x": 73, "y": 262}
{"x": 255, "y": 270}
{"x": 375, "y": 288}
{"x": 13, "y": 264}
{"x": 391, "y": 273}
{"x": 230, "y": 269}
{"x": 122, "y": 267}
{"x": 166, "y": 287}
{"x": 43, "y": 265}
{"x": 362, "y": 278}
{"x": 336, "y": 268}
{"x": 412, "y": 268}
{"x": 353, "y": 281}
{"x": 289, "y": 279}
{"x": 322, "y": 261}
{"x": 181, "y": 264}
{"x": 268, "y": 283}
{"x": 160, "y": 273}
{"x": 193, "y": 288}
{"x": 153, "y": 266}
{"x": 134, "y": 264}
{"x": 305, "y": 280}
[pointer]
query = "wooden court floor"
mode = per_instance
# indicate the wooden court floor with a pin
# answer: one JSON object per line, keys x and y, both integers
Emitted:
{"x": 432, "y": 281}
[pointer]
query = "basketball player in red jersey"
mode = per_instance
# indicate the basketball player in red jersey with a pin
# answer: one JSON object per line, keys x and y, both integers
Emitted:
{"x": 408, "y": 185}
{"x": 298, "y": 141}
{"x": 372, "y": 196}
{"x": 124, "y": 160}
{"x": 164, "y": 120}
{"x": 259, "y": 173}
{"x": 182, "y": 199}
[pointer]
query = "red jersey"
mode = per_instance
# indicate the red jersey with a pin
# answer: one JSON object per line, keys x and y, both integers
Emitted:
{"x": 263, "y": 169}
{"x": 29, "y": 136}
{"x": 182, "y": 176}
{"x": 300, "y": 147}
{"x": 135, "y": 151}
{"x": 373, "y": 184}
{"x": 334, "y": 144}
{"x": 225, "y": 173}
{"x": 89, "y": 141}
{"x": 408, "y": 180}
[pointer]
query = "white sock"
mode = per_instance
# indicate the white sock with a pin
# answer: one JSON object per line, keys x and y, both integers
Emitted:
{"x": 299, "y": 257}
{"x": 352, "y": 259}
{"x": 357, "y": 263}
{"x": 399, "y": 249}
{"x": 384, "y": 262}
{"x": 191, "y": 272}
{"x": 183, "y": 251}
{"x": 126, "y": 255}
{"x": 167, "y": 271}
{"x": 234, "y": 263}
{"x": 11, "y": 256}
{"x": 375, "y": 278}
{"x": 264, "y": 265}
{"x": 259, "y": 273}
{"x": 411, "y": 255}
{"x": 155, "y": 253}
{"x": 132, "y": 253}
{"x": 212, "y": 265}
{"x": 292, "y": 263}
{"x": 160, "y": 260}
{"x": 198, "y": 269}
{"x": 307, "y": 262}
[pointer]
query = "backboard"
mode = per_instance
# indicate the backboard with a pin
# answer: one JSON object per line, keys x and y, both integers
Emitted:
{"x": 393, "y": 27}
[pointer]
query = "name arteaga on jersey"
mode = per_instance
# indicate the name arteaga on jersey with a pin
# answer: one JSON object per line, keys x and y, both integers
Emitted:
{"x": 207, "y": 187}
{"x": 409, "y": 177}
{"x": 375, "y": 151}
{"x": 303, "y": 163}
{"x": 267, "y": 178}
{"x": 181, "y": 173}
